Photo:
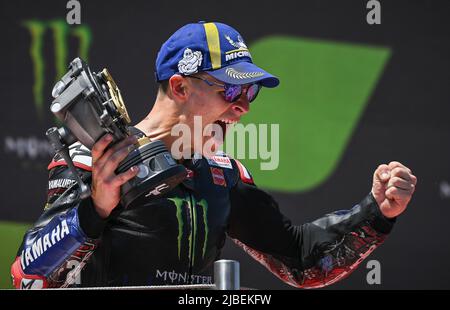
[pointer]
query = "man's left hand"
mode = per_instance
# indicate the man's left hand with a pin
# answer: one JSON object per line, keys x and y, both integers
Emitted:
{"x": 393, "y": 186}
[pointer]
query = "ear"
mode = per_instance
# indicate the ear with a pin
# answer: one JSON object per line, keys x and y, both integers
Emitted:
{"x": 178, "y": 88}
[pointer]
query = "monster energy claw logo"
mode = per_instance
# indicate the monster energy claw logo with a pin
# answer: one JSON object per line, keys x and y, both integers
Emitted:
{"x": 192, "y": 204}
{"x": 61, "y": 30}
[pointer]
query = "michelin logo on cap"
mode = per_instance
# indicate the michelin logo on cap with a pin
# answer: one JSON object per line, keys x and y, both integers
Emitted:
{"x": 190, "y": 62}
{"x": 239, "y": 44}
{"x": 242, "y": 50}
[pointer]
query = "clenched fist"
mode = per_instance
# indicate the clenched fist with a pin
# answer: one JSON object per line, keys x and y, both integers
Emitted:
{"x": 105, "y": 183}
{"x": 393, "y": 186}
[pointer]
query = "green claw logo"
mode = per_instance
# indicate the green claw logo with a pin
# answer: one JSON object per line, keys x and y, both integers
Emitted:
{"x": 61, "y": 31}
{"x": 192, "y": 204}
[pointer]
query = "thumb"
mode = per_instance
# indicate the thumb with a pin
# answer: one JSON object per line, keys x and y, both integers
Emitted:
{"x": 382, "y": 174}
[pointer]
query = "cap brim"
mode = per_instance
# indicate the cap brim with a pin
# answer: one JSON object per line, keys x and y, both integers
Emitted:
{"x": 244, "y": 73}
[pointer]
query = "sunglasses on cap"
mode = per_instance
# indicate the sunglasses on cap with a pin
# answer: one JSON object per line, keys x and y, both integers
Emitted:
{"x": 232, "y": 92}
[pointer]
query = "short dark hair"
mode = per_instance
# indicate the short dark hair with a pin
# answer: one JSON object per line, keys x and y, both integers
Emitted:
{"x": 163, "y": 86}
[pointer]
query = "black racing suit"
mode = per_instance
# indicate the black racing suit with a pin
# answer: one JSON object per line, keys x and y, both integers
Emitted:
{"x": 175, "y": 238}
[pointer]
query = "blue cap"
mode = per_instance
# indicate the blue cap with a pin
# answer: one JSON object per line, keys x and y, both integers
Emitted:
{"x": 215, "y": 48}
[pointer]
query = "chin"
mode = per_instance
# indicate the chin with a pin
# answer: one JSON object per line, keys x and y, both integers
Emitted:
{"x": 211, "y": 145}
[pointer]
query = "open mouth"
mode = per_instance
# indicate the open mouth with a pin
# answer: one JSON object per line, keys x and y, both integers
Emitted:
{"x": 224, "y": 124}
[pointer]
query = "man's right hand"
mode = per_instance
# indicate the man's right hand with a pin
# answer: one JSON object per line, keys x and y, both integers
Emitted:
{"x": 105, "y": 183}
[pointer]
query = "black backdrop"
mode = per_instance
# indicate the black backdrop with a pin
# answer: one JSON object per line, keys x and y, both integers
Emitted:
{"x": 406, "y": 118}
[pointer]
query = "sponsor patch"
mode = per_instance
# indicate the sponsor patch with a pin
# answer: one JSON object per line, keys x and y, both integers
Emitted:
{"x": 219, "y": 161}
{"x": 218, "y": 176}
{"x": 190, "y": 173}
{"x": 42, "y": 244}
{"x": 60, "y": 183}
{"x": 31, "y": 284}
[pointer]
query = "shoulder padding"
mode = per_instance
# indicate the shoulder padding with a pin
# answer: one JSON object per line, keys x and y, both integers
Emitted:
{"x": 244, "y": 174}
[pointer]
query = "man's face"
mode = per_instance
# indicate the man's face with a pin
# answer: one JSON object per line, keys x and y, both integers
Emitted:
{"x": 216, "y": 113}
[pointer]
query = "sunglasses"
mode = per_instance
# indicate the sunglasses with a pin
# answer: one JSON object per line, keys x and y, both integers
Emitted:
{"x": 233, "y": 92}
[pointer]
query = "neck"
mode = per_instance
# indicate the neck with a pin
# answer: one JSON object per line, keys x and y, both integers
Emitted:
{"x": 157, "y": 125}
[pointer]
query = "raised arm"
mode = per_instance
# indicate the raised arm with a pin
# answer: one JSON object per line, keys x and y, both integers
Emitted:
{"x": 310, "y": 255}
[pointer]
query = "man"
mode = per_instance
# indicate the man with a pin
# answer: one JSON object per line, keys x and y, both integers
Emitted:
{"x": 204, "y": 69}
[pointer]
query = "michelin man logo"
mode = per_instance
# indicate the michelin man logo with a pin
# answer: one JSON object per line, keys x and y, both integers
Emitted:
{"x": 190, "y": 62}
{"x": 239, "y": 44}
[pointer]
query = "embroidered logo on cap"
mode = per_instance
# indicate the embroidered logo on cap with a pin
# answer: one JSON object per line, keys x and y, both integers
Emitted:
{"x": 239, "y": 44}
{"x": 240, "y": 51}
{"x": 190, "y": 62}
{"x": 242, "y": 75}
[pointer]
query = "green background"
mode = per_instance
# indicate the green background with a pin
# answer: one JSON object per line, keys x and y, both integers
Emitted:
{"x": 10, "y": 238}
{"x": 324, "y": 89}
